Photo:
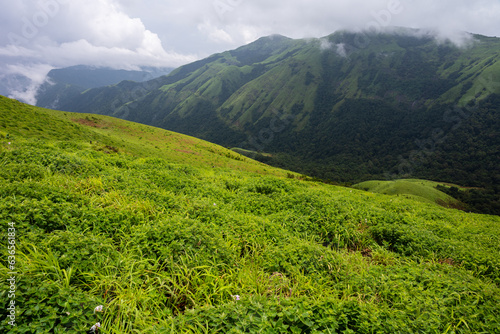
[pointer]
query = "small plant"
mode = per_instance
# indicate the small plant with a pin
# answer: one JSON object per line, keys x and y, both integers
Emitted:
{"x": 95, "y": 328}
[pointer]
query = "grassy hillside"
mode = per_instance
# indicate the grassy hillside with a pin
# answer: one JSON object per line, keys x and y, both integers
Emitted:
{"x": 174, "y": 235}
{"x": 420, "y": 190}
{"x": 115, "y": 136}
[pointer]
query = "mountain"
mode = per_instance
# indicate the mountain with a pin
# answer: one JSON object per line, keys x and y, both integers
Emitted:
{"x": 144, "y": 230}
{"x": 65, "y": 83}
{"x": 348, "y": 107}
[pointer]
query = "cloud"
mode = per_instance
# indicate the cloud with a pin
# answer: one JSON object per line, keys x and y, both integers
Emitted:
{"x": 340, "y": 49}
{"x": 25, "y": 90}
{"x": 60, "y": 33}
{"x": 324, "y": 44}
{"x": 213, "y": 33}
{"x": 97, "y": 27}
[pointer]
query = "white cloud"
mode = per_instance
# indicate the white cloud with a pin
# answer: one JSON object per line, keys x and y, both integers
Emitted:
{"x": 324, "y": 44}
{"x": 36, "y": 74}
{"x": 213, "y": 33}
{"x": 94, "y": 26}
{"x": 340, "y": 49}
{"x": 60, "y": 33}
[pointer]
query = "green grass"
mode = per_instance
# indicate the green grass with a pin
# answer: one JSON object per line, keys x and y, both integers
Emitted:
{"x": 419, "y": 190}
{"x": 165, "y": 240}
{"x": 112, "y": 135}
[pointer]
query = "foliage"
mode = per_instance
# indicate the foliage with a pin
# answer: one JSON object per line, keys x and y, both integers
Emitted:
{"x": 166, "y": 245}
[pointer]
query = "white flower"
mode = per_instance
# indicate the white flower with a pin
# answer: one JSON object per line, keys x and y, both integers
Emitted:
{"x": 236, "y": 297}
{"x": 98, "y": 308}
{"x": 96, "y": 326}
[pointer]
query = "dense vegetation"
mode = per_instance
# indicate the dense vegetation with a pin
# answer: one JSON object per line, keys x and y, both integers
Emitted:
{"x": 172, "y": 234}
{"x": 476, "y": 200}
{"x": 395, "y": 106}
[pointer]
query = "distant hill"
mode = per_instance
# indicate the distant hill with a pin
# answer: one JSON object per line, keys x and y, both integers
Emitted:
{"x": 420, "y": 190}
{"x": 398, "y": 105}
{"x": 65, "y": 83}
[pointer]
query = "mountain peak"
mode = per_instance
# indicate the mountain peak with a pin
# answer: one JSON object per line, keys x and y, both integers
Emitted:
{"x": 274, "y": 39}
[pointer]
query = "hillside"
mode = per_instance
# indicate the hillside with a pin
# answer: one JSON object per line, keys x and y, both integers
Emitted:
{"x": 399, "y": 105}
{"x": 173, "y": 234}
{"x": 111, "y": 135}
{"x": 420, "y": 190}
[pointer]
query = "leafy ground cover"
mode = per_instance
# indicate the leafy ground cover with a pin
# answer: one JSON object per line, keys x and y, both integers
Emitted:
{"x": 171, "y": 241}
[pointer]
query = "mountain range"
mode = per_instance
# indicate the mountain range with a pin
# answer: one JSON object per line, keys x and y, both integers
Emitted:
{"x": 347, "y": 107}
{"x": 63, "y": 84}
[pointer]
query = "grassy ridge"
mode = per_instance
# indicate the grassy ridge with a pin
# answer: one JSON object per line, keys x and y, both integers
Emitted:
{"x": 420, "y": 190}
{"x": 166, "y": 245}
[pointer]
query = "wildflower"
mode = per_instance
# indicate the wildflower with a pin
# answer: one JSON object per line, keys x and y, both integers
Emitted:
{"x": 95, "y": 327}
{"x": 236, "y": 297}
{"x": 215, "y": 204}
{"x": 98, "y": 308}
{"x": 9, "y": 143}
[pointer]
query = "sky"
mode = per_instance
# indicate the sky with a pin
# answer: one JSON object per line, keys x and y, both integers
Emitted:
{"x": 39, "y": 35}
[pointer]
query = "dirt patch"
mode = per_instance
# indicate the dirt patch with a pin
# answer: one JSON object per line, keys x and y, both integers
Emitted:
{"x": 451, "y": 205}
{"x": 448, "y": 261}
{"x": 367, "y": 252}
{"x": 188, "y": 152}
{"x": 89, "y": 122}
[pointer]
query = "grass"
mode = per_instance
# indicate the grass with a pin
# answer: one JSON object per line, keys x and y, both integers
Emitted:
{"x": 112, "y": 135}
{"x": 165, "y": 239}
{"x": 419, "y": 190}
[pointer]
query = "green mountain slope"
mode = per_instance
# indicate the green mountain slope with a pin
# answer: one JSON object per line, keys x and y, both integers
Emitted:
{"x": 111, "y": 135}
{"x": 172, "y": 234}
{"x": 393, "y": 106}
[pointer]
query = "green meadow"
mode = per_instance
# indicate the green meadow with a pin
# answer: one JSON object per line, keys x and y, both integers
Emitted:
{"x": 171, "y": 234}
